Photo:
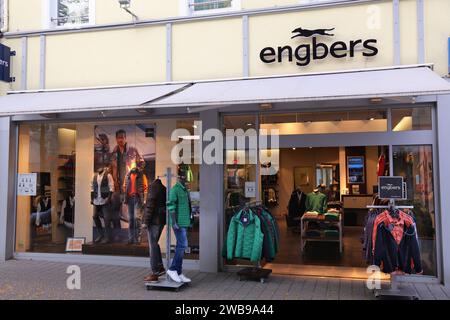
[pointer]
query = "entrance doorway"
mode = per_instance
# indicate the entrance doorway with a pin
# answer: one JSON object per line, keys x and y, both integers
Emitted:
{"x": 341, "y": 160}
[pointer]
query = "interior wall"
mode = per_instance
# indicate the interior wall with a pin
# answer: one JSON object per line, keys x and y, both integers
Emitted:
{"x": 84, "y": 170}
{"x": 371, "y": 163}
{"x": 23, "y": 202}
{"x": 300, "y": 157}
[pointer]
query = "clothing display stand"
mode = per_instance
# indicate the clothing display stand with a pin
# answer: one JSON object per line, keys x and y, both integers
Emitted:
{"x": 257, "y": 272}
{"x": 167, "y": 283}
{"x": 304, "y": 239}
{"x": 395, "y": 289}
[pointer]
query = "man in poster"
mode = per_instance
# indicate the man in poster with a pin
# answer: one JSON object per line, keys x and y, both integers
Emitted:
{"x": 123, "y": 158}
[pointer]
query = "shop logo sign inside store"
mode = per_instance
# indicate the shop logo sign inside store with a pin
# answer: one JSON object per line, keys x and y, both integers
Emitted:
{"x": 316, "y": 50}
{"x": 391, "y": 188}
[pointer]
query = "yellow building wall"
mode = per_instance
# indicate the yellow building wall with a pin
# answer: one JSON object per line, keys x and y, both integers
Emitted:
{"x": 208, "y": 49}
{"x": 106, "y": 58}
{"x": 408, "y": 32}
{"x": 110, "y": 11}
{"x": 33, "y": 63}
{"x": 25, "y": 15}
{"x": 213, "y": 49}
{"x": 353, "y": 23}
{"x": 437, "y": 31}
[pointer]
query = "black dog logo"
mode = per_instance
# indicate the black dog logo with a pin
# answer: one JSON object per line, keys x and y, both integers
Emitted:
{"x": 299, "y": 32}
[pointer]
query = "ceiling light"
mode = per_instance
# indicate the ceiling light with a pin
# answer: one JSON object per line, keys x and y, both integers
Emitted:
{"x": 376, "y": 100}
{"x": 371, "y": 119}
{"x": 249, "y": 124}
{"x": 293, "y": 148}
{"x": 265, "y": 106}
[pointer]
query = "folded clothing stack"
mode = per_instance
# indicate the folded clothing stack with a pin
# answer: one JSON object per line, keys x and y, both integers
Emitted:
{"x": 311, "y": 215}
{"x": 331, "y": 234}
{"x": 331, "y": 216}
{"x": 313, "y": 233}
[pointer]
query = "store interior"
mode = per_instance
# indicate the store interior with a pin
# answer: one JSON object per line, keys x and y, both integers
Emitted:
{"x": 328, "y": 240}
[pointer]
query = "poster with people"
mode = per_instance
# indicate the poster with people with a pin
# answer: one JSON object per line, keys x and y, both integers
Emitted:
{"x": 124, "y": 166}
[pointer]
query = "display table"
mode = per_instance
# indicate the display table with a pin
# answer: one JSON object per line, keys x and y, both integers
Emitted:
{"x": 321, "y": 235}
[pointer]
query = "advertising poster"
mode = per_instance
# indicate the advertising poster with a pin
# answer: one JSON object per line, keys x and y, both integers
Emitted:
{"x": 125, "y": 151}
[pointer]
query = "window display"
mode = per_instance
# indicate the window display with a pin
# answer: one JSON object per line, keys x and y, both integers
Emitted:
{"x": 93, "y": 182}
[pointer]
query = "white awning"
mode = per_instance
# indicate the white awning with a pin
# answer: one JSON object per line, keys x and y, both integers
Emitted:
{"x": 401, "y": 81}
{"x": 383, "y": 82}
{"x": 55, "y": 101}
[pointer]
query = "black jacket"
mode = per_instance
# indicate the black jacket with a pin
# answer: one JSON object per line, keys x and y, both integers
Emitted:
{"x": 392, "y": 257}
{"x": 297, "y": 204}
{"x": 155, "y": 210}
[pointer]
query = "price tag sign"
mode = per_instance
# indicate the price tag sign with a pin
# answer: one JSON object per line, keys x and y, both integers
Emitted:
{"x": 26, "y": 184}
{"x": 250, "y": 189}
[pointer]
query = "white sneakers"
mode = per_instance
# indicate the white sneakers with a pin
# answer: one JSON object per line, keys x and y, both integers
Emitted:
{"x": 173, "y": 275}
{"x": 184, "y": 278}
{"x": 179, "y": 278}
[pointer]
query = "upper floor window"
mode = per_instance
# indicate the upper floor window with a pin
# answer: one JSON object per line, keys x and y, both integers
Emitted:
{"x": 66, "y": 13}
{"x": 208, "y": 6}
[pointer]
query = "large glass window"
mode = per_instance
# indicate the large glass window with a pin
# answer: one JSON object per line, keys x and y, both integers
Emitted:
{"x": 407, "y": 119}
{"x": 326, "y": 122}
{"x": 93, "y": 185}
{"x": 415, "y": 164}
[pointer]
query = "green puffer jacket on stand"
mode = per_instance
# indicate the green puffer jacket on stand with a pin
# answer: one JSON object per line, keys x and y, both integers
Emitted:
{"x": 245, "y": 238}
{"x": 180, "y": 203}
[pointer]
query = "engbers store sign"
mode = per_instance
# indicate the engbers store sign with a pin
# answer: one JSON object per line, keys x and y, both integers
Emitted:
{"x": 316, "y": 50}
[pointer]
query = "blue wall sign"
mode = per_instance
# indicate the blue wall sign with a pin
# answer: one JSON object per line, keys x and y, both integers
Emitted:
{"x": 5, "y": 63}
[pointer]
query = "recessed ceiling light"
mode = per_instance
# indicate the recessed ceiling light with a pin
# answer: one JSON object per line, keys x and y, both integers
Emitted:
{"x": 249, "y": 124}
{"x": 294, "y": 148}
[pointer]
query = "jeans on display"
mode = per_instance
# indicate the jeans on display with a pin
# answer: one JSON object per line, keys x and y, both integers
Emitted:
{"x": 177, "y": 262}
{"x": 103, "y": 211}
{"x": 134, "y": 219}
{"x": 116, "y": 209}
{"x": 154, "y": 233}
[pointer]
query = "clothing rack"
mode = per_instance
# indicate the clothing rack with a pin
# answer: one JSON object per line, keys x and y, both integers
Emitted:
{"x": 257, "y": 272}
{"x": 395, "y": 289}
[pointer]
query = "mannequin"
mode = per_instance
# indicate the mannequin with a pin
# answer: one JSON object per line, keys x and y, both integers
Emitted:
{"x": 296, "y": 205}
{"x": 316, "y": 201}
{"x": 102, "y": 188}
{"x": 180, "y": 213}
{"x": 155, "y": 220}
{"x": 67, "y": 216}
{"x": 134, "y": 190}
{"x": 44, "y": 207}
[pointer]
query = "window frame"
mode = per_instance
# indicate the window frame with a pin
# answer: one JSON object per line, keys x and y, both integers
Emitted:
{"x": 51, "y": 12}
{"x": 188, "y": 9}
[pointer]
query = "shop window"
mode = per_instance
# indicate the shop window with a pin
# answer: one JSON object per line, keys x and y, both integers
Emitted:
{"x": 67, "y": 13}
{"x": 121, "y": 160}
{"x": 415, "y": 164}
{"x": 407, "y": 119}
{"x": 326, "y": 122}
{"x": 208, "y": 6}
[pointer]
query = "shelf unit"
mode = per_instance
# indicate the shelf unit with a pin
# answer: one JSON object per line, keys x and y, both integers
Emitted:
{"x": 304, "y": 238}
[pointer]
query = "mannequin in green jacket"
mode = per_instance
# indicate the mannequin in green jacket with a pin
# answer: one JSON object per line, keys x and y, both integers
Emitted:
{"x": 179, "y": 206}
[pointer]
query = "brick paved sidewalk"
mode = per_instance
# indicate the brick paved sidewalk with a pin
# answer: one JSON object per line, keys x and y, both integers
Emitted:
{"x": 47, "y": 280}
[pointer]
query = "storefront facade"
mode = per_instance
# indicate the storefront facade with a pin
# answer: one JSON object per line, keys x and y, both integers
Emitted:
{"x": 355, "y": 74}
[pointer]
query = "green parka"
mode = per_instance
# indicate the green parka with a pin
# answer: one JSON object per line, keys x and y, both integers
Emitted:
{"x": 245, "y": 240}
